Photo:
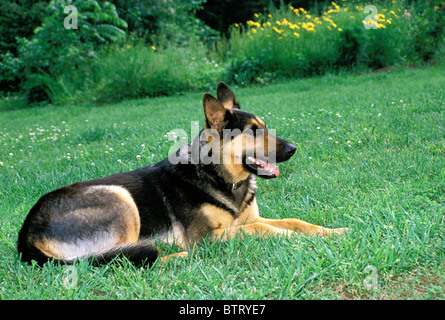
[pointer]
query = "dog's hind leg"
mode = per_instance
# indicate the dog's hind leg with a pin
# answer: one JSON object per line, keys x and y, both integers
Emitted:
{"x": 182, "y": 254}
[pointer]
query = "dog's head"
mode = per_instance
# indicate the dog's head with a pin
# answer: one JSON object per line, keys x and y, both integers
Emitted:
{"x": 242, "y": 141}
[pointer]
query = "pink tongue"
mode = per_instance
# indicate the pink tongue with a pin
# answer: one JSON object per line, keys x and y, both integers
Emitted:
{"x": 267, "y": 169}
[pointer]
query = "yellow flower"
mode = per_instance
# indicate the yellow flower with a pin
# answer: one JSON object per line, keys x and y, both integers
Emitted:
{"x": 277, "y": 30}
{"x": 308, "y": 16}
{"x": 236, "y": 25}
{"x": 340, "y": 29}
{"x": 253, "y": 23}
{"x": 253, "y": 30}
{"x": 379, "y": 25}
{"x": 296, "y": 34}
{"x": 153, "y": 47}
{"x": 268, "y": 24}
{"x": 269, "y": 15}
{"x": 278, "y": 23}
{"x": 308, "y": 26}
{"x": 388, "y": 21}
{"x": 256, "y": 15}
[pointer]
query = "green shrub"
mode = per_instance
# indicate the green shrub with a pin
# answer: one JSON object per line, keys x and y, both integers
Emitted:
{"x": 293, "y": 42}
{"x": 10, "y": 68}
{"x": 245, "y": 70}
{"x": 55, "y": 50}
{"x": 427, "y": 27}
{"x": 350, "y": 47}
{"x": 132, "y": 70}
{"x": 165, "y": 22}
{"x": 17, "y": 19}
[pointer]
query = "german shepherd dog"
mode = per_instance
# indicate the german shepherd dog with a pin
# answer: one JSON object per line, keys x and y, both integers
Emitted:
{"x": 181, "y": 200}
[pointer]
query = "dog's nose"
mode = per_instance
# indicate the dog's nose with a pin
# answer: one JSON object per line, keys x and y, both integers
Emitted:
{"x": 289, "y": 149}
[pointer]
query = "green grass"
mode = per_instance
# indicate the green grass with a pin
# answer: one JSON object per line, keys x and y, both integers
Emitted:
{"x": 370, "y": 156}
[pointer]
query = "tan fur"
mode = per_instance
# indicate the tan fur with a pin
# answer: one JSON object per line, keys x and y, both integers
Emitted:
{"x": 49, "y": 248}
{"x": 241, "y": 216}
{"x": 129, "y": 212}
{"x": 120, "y": 200}
{"x": 112, "y": 198}
{"x": 251, "y": 223}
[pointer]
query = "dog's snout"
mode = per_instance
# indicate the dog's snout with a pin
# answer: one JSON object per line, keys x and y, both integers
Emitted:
{"x": 289, "y": 149}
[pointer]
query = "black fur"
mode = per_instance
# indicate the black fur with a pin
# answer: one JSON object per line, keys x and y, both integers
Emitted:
{"x": 164, "y": 194}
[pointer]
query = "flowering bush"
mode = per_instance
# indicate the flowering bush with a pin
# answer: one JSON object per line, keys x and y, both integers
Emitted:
{"x": 295, "y": 42}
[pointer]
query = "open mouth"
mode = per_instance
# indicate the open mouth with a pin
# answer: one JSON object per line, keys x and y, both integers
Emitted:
{"x": 262, "y": 168}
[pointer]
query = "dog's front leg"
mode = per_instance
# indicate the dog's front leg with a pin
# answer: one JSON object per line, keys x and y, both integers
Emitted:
{"x": 256, "y": 228}
{"x": 300, "y": 226}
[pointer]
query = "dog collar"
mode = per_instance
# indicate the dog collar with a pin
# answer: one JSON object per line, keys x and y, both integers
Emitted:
{"x": 236, "y": 185}
{"x": 230, "y": 186}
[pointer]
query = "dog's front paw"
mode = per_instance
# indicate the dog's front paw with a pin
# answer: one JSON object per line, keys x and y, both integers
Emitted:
{"x": 341, "y": 231}
{"x": 330, "y": 232}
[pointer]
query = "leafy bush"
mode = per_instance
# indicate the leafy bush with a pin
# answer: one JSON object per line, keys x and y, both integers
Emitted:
{"x": 165, "y": 23}
{"x": 10, "y": 68}
{"x": 221, "y": 15}
{"x": 55, "y": 50}
{"x": 293, "y": 42}
{"x": 17, "y": 19}
{"x": 246, "y": 70}
{"x": 132, "y": 70}
{"x": 349, "y": 47}
{"x": 427, "y": 26}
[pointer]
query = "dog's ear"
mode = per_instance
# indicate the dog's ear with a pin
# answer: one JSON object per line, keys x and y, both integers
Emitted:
{"x": 226, "y": 96}
{"x": 215, "y": 113}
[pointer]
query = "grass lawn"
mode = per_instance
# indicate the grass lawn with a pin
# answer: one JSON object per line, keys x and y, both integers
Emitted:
{"x": 370, "y": 156}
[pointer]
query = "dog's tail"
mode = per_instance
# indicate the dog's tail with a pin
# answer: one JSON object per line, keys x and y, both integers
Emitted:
{"x": 140, "y": 254}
